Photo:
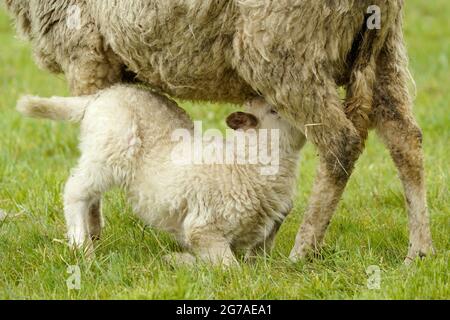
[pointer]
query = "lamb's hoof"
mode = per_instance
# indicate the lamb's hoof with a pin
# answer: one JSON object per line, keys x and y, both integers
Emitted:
{"x": 224, "y": 263}
{"x": 89, "y": 252}
{"x": 96, "y": 237}
{"x": 183, "y": 259}
{"x": 251, "y": 258}
{"x": 87, "y": 249}
{"x": 418, "y": 254}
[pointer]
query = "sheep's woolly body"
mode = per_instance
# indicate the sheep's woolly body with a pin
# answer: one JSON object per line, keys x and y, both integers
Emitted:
{"x": 126, "y": 140}
{"x": 294, "y": 53}
{"x": 78, "y": 51}
{"x": 209, "y": 40}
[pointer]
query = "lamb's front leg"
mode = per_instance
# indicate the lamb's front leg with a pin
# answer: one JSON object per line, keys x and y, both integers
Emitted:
{"x": 265, "y": 247}
{"x": 208, "y": 246}
{"x": 216, "y": 251}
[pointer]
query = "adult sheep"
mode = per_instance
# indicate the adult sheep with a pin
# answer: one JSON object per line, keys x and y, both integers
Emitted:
{"x": 295, "y": 53}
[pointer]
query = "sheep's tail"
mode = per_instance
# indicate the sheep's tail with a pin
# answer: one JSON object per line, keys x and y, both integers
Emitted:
{"x": 55, "y": 108}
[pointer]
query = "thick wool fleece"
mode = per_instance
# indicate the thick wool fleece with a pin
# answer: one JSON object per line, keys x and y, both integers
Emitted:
{"x": 294, "y": 53}
{"x": 127, "y": 140}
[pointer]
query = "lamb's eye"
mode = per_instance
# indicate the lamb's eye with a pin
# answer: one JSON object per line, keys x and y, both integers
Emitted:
{"x": 274, "y": 112}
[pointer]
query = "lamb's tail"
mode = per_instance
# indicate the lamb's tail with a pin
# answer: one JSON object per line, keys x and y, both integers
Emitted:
{"x": 56, "y": 108}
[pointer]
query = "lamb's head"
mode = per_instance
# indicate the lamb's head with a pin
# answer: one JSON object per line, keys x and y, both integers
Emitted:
{"x": 20, "y": 10}
{"x": 259, "y": 114}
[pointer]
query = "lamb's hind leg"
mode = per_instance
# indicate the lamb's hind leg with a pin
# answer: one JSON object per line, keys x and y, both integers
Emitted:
{"x": 398, "y": 129}
{"x": 95, "y": 220}
{"x": 82, "y": 195}
{"x": 91, "y": 68}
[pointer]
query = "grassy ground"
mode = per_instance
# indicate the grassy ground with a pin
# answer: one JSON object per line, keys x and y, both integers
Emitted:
{"x": 370, "y": 227}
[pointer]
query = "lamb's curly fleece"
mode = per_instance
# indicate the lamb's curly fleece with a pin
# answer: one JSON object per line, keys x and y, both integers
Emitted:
{"x": 126, "y": 140}
{"x": 295, "y": 53}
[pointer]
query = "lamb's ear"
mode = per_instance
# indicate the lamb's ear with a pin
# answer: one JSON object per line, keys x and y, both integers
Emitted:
{"x": 242, "y": 121}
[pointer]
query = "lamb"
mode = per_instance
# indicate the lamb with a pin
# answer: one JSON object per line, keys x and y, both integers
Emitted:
{"x": 294, "y": 53}
{"x": 127, "y": 139}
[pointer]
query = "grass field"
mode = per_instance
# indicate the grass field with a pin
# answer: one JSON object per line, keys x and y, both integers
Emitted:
{"x": 370, "y": 227}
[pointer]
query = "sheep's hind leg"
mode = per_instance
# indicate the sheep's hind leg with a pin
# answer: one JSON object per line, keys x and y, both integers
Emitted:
{"x": 398, "y": 129}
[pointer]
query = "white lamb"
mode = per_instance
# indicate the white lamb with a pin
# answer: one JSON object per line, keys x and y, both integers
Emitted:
{"x": 213, "y": 210}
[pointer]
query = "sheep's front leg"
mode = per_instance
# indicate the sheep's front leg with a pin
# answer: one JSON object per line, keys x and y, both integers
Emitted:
{"x": 304, "y": 93}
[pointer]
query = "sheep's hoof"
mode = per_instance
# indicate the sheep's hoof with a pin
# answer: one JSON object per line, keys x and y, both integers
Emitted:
{"x": 418, "y": 254}
{"x": 296, "y": 256}
{"x": 185, "y": 259}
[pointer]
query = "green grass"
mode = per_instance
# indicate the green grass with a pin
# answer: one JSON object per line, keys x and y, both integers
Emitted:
{"x": 370, "y": 227}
